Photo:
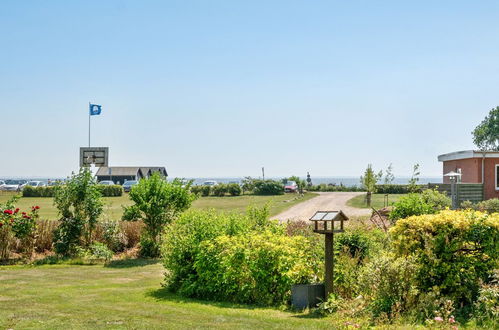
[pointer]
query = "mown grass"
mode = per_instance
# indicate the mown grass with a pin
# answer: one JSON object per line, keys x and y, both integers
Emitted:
{"x": 122, "y": 295}
{"x": 113, "y": 208}
{"x": 377, "y": 200}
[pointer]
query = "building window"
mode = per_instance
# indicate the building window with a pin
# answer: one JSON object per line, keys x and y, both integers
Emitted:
{"x": 497, "y": 176}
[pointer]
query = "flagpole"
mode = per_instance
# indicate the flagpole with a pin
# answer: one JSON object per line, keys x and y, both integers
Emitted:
{"x": 89, "y": 124}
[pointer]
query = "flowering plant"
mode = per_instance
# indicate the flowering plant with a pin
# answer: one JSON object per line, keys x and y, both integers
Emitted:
{"x": 17, "y": 224}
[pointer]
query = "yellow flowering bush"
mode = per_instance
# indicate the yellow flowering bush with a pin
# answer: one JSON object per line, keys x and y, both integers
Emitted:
{"x": 454, "y": 250}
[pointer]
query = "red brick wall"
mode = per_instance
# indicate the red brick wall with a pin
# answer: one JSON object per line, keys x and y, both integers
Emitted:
{"x": 471, "y": 169}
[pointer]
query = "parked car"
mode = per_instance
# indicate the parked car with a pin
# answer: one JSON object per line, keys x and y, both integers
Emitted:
{"x": 291, "y": 187}
{"x": 107, "y": 182}
{"x": 36, "y": 184}
{"x": 127, "y": 186}
{"x": 14, "y": 185}
{"x": 1, "y": 184}
{"x": 210, "y": 183}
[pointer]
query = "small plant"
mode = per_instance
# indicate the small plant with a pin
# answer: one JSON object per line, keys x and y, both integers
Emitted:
{"x": 369, "y": 181}
{"x": 413, "y": 181}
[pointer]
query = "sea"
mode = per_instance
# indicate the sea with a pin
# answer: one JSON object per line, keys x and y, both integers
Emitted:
{"x": 339, "y": 180}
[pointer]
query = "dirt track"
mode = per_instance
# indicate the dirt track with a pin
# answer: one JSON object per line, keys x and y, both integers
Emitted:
{"x": 326, "y": 201}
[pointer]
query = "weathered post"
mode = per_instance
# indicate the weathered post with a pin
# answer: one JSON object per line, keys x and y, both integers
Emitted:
{"x": 324, "y": 224}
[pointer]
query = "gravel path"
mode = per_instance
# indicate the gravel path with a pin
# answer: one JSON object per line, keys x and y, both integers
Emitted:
{"x": 326, "y": 201}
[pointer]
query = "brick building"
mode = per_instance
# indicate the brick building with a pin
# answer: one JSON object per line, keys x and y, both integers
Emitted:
{"x": 475, "y": 167}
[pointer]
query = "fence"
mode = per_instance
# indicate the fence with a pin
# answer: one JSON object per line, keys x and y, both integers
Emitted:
{"x": 465, "y": 191}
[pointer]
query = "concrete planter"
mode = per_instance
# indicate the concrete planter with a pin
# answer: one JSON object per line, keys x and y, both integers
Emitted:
{"x": 307, "y": 295}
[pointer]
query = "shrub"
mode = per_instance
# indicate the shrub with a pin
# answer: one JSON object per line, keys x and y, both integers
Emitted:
{"x": 257, "y": 268}
{"x": 157, "y": 202}
{"x": 184, "y": 236}
{"x": 428, "y": 202}
{"x": 234, "y": 189}
{"x": 80, "y": 204}
{"x": 454, "y": 250}
{"x": 205, "y": 191}
{"x": 219, "y": 190}
{"x": 196, "y": 190}
{"x": 105, "y": 190}
{"x": 486, "y": 307}
{"x": 112, "y": 236}
{"x": 110, "y": 190}
{"x": 489, "y": 206}
{"x": 389, "y": 285}
{"x": 18, "y": 225}
{"x": 268, "y": 187}
{"x": 96, "y": 251}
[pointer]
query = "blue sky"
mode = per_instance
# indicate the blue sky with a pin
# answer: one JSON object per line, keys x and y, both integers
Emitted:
{"x": 222, "y": 88}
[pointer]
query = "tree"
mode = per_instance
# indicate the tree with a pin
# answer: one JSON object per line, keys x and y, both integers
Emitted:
{"x": 389, "y": 177}
{"x": 157, "y": 202}
{"x": 413, "y": 181}
{"x": 486, "y": 134}
{"x": 80, "y": 205}
{"x": 369, "y": 181}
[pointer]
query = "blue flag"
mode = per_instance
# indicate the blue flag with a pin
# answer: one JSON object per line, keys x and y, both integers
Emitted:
{"x": 95, "y": 109}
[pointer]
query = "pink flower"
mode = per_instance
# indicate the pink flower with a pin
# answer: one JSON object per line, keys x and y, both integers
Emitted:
{"x": 452, "y": 320}
{"x": 438, "y": 319}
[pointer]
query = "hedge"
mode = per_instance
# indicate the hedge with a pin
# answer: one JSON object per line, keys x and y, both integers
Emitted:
{"x": 106, "y": 191}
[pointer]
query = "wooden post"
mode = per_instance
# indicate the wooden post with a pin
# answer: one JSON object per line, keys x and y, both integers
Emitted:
{"x": 329, "y": 264}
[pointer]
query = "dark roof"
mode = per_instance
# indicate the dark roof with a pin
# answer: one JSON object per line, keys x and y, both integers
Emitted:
{"x": 119, "y": 171}
{"x": 151, "y": 169}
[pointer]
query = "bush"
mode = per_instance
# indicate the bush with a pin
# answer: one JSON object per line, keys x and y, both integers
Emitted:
{"x": 268, "y": 187}
{"x": 96, "y": 251}
{"x": 428, "y": 202}
{"x": 454, "y": 250}
{"x": 332, "y": 188}
{"x": 489, "y": 206}
{"x": 205, "y": 191}
{"x": 486, "y": 307}
{"x": 256, "y": 268}
{"x": 110, "y": 190}
{"x": 196, "y": 190}
{"x": 80, "y": 204}
{"x": 183, "y": 239}
{"x": 219, "y": 190}
{"x": 157, "y": 202}
{"x": 234, "y": 189}
{"x": 389, "y": 285}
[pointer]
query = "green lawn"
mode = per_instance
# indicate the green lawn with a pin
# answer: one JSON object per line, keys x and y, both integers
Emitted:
{"x": 377, "y": 200}
{"x": 113, "y": 205}
{"x": 124, "y": 295}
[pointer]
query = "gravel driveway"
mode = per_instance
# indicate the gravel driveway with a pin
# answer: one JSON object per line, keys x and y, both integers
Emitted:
{"x": 326, "y": 201}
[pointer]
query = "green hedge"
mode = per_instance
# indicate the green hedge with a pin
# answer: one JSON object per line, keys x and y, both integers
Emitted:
{"x": 380, "y": 188}
{"x": 106, "y": 191}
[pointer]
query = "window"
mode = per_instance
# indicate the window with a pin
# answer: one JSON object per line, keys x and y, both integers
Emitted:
{"x": 497, "y": 176}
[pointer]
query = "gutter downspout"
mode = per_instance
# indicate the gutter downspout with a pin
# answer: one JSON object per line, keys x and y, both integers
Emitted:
{"x": 483, "y": 175}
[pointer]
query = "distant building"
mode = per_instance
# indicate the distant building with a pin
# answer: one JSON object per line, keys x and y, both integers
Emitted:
{"x": 475, "y": 167}
{"x": 120, "y": 174}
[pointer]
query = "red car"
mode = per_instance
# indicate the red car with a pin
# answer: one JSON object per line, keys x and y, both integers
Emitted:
{"x": 290, "y": 187}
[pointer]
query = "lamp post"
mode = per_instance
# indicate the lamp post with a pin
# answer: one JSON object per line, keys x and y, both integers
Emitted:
{"x": 454, "y": 177}
{"x": 324, "y": 223}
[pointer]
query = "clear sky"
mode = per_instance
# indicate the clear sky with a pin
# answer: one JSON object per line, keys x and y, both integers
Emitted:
{"x": 222, "y": 88}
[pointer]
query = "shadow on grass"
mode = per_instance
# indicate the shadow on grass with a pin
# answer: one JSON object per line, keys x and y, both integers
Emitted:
{"x": 164, "y": 294}
{"x": 129, "y": 263}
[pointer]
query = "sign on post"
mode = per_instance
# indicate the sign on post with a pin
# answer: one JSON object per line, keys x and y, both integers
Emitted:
{"x": 97, "y": 156}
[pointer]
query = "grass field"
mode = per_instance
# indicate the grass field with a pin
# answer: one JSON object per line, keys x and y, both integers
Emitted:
{"x": 122, "y": 295}
{"x": 113, "y": 205}
{"x": 377, "y": 200}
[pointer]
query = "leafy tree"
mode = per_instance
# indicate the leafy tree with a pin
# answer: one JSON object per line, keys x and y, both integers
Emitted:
{"x": 369, "y": 181}
{"x": 80, "y": 204}
{"x": 157, "y": 203}
{"x": 413, "y": 181}
{"x": 389, "y": 177}
{"x": 486, "y": 134}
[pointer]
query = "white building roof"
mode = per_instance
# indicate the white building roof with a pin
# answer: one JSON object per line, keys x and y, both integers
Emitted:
{"x": 468, "y": 154}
